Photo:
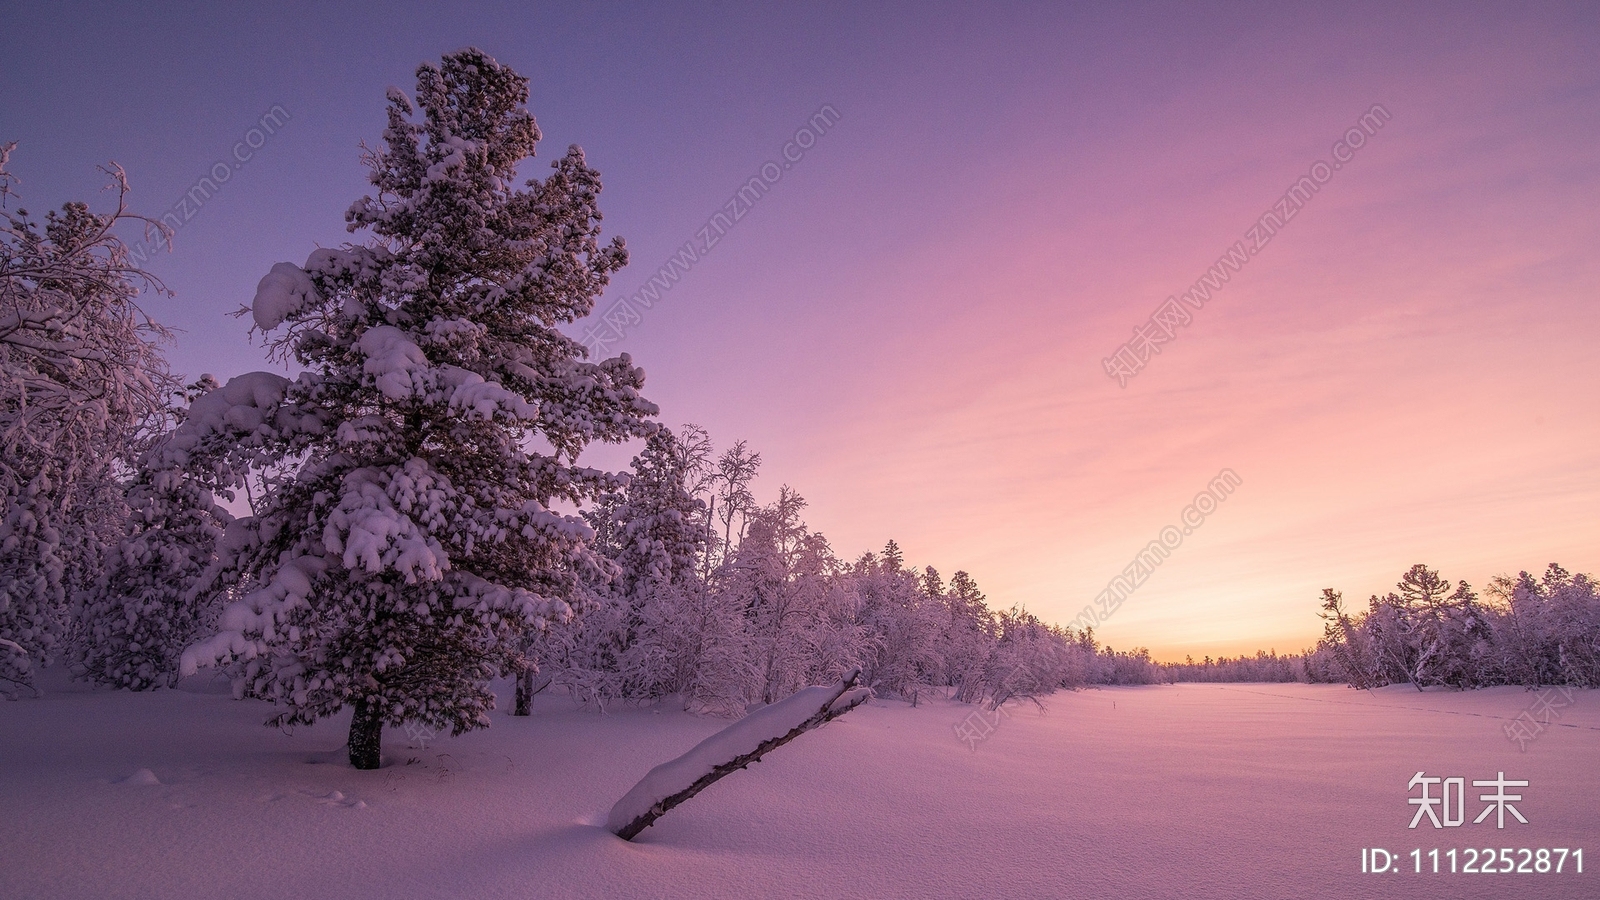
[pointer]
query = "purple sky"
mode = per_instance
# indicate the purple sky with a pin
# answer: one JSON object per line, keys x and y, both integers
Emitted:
{"x": 911, "y": 324}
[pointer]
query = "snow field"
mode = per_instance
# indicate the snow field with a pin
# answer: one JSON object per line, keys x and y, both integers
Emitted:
{"x": 1205, "y": 791}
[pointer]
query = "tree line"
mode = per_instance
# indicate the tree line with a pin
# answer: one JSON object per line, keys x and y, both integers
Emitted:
{"x": 1526, "y": 630}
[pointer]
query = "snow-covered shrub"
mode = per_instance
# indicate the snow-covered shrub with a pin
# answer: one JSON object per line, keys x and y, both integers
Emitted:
{"x": 150, "y": 602}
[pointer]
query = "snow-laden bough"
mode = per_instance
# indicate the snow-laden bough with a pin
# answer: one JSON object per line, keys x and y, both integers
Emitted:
{"x": 731, "y": 749}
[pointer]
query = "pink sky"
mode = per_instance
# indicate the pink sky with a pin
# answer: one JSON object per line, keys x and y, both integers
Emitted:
{"x": 1403, "y": 374}
{"x": 910, "y": 326}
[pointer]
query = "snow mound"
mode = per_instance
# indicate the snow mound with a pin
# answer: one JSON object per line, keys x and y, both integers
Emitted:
{"x": 282, "y": 292}
{"x": 143, "y": 776}
{"x": 397, "y": 365}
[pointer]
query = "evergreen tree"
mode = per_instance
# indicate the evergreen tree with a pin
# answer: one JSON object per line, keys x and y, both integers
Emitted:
{"x": 893, "y": 559}
{"x": 901, "y": 624}
{"x": 145, "y": 610}
{"x": 646, "y": 637}
{"x": 969, "y": 637}
{"x": 407, "y": 543}
{"x": 659, "y": 526}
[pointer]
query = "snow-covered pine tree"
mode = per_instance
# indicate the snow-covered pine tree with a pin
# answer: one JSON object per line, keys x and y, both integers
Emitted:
{"x": 82, "y": 384}
{"x": 146, "y": 607}
{"x": 659, "y": 528}
{"x": 903, "y": 624}
{"x": 651, "y": 634}
{"x": 660, "y": 532}
{"x": 1443, "y": 627}
{"x": 969, "y": 637}
{"x": 409, "y": 545}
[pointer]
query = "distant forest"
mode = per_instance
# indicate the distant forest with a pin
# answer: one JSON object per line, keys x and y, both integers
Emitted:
{"x": 755, "y": 605}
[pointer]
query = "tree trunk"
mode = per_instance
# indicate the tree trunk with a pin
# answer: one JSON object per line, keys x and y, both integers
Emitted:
{"x": 366, "y": 736}
{"x": 529, "y": 684}
{"x": 524, "y": 704}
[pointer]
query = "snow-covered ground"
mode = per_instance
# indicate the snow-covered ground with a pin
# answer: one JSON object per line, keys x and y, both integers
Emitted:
{"x": 1195, "y": 791}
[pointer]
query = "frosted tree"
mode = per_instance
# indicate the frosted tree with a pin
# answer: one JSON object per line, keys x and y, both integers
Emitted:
{"x": 694, "y": 452}
{"x": 1572, "y": 605}
{"x": 695, "y": 455}
{"x": 903, "y": 623}
{"x": 1030, "y": 659}
{"x": 686, "y": 640}
{"x": 1547, "y": 630}
{"x": 1346, "y": 641}
{"x": 969, "y": 637}
{"x": 1529, "y": 631}
{"x": 1446, "y": 625}
{"x": 800, "y": 604}
{"x": 82, "y": 385}
{"x": 1424, "y": 634}
{"x": 736, "y": 469}
{"x": 643, "y": 642}
{"x": 406, "y": 543}
{"x": 658, "y": 528}
{"x": 144, "y": 612}
{"x": 148, "y": 604}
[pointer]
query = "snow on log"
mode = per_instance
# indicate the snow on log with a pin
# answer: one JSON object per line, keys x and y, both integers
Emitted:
{"x": 730, "y": 749}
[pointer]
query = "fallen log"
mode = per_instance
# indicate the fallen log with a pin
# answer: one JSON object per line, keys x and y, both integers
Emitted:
{"x": 731, "y": 749}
